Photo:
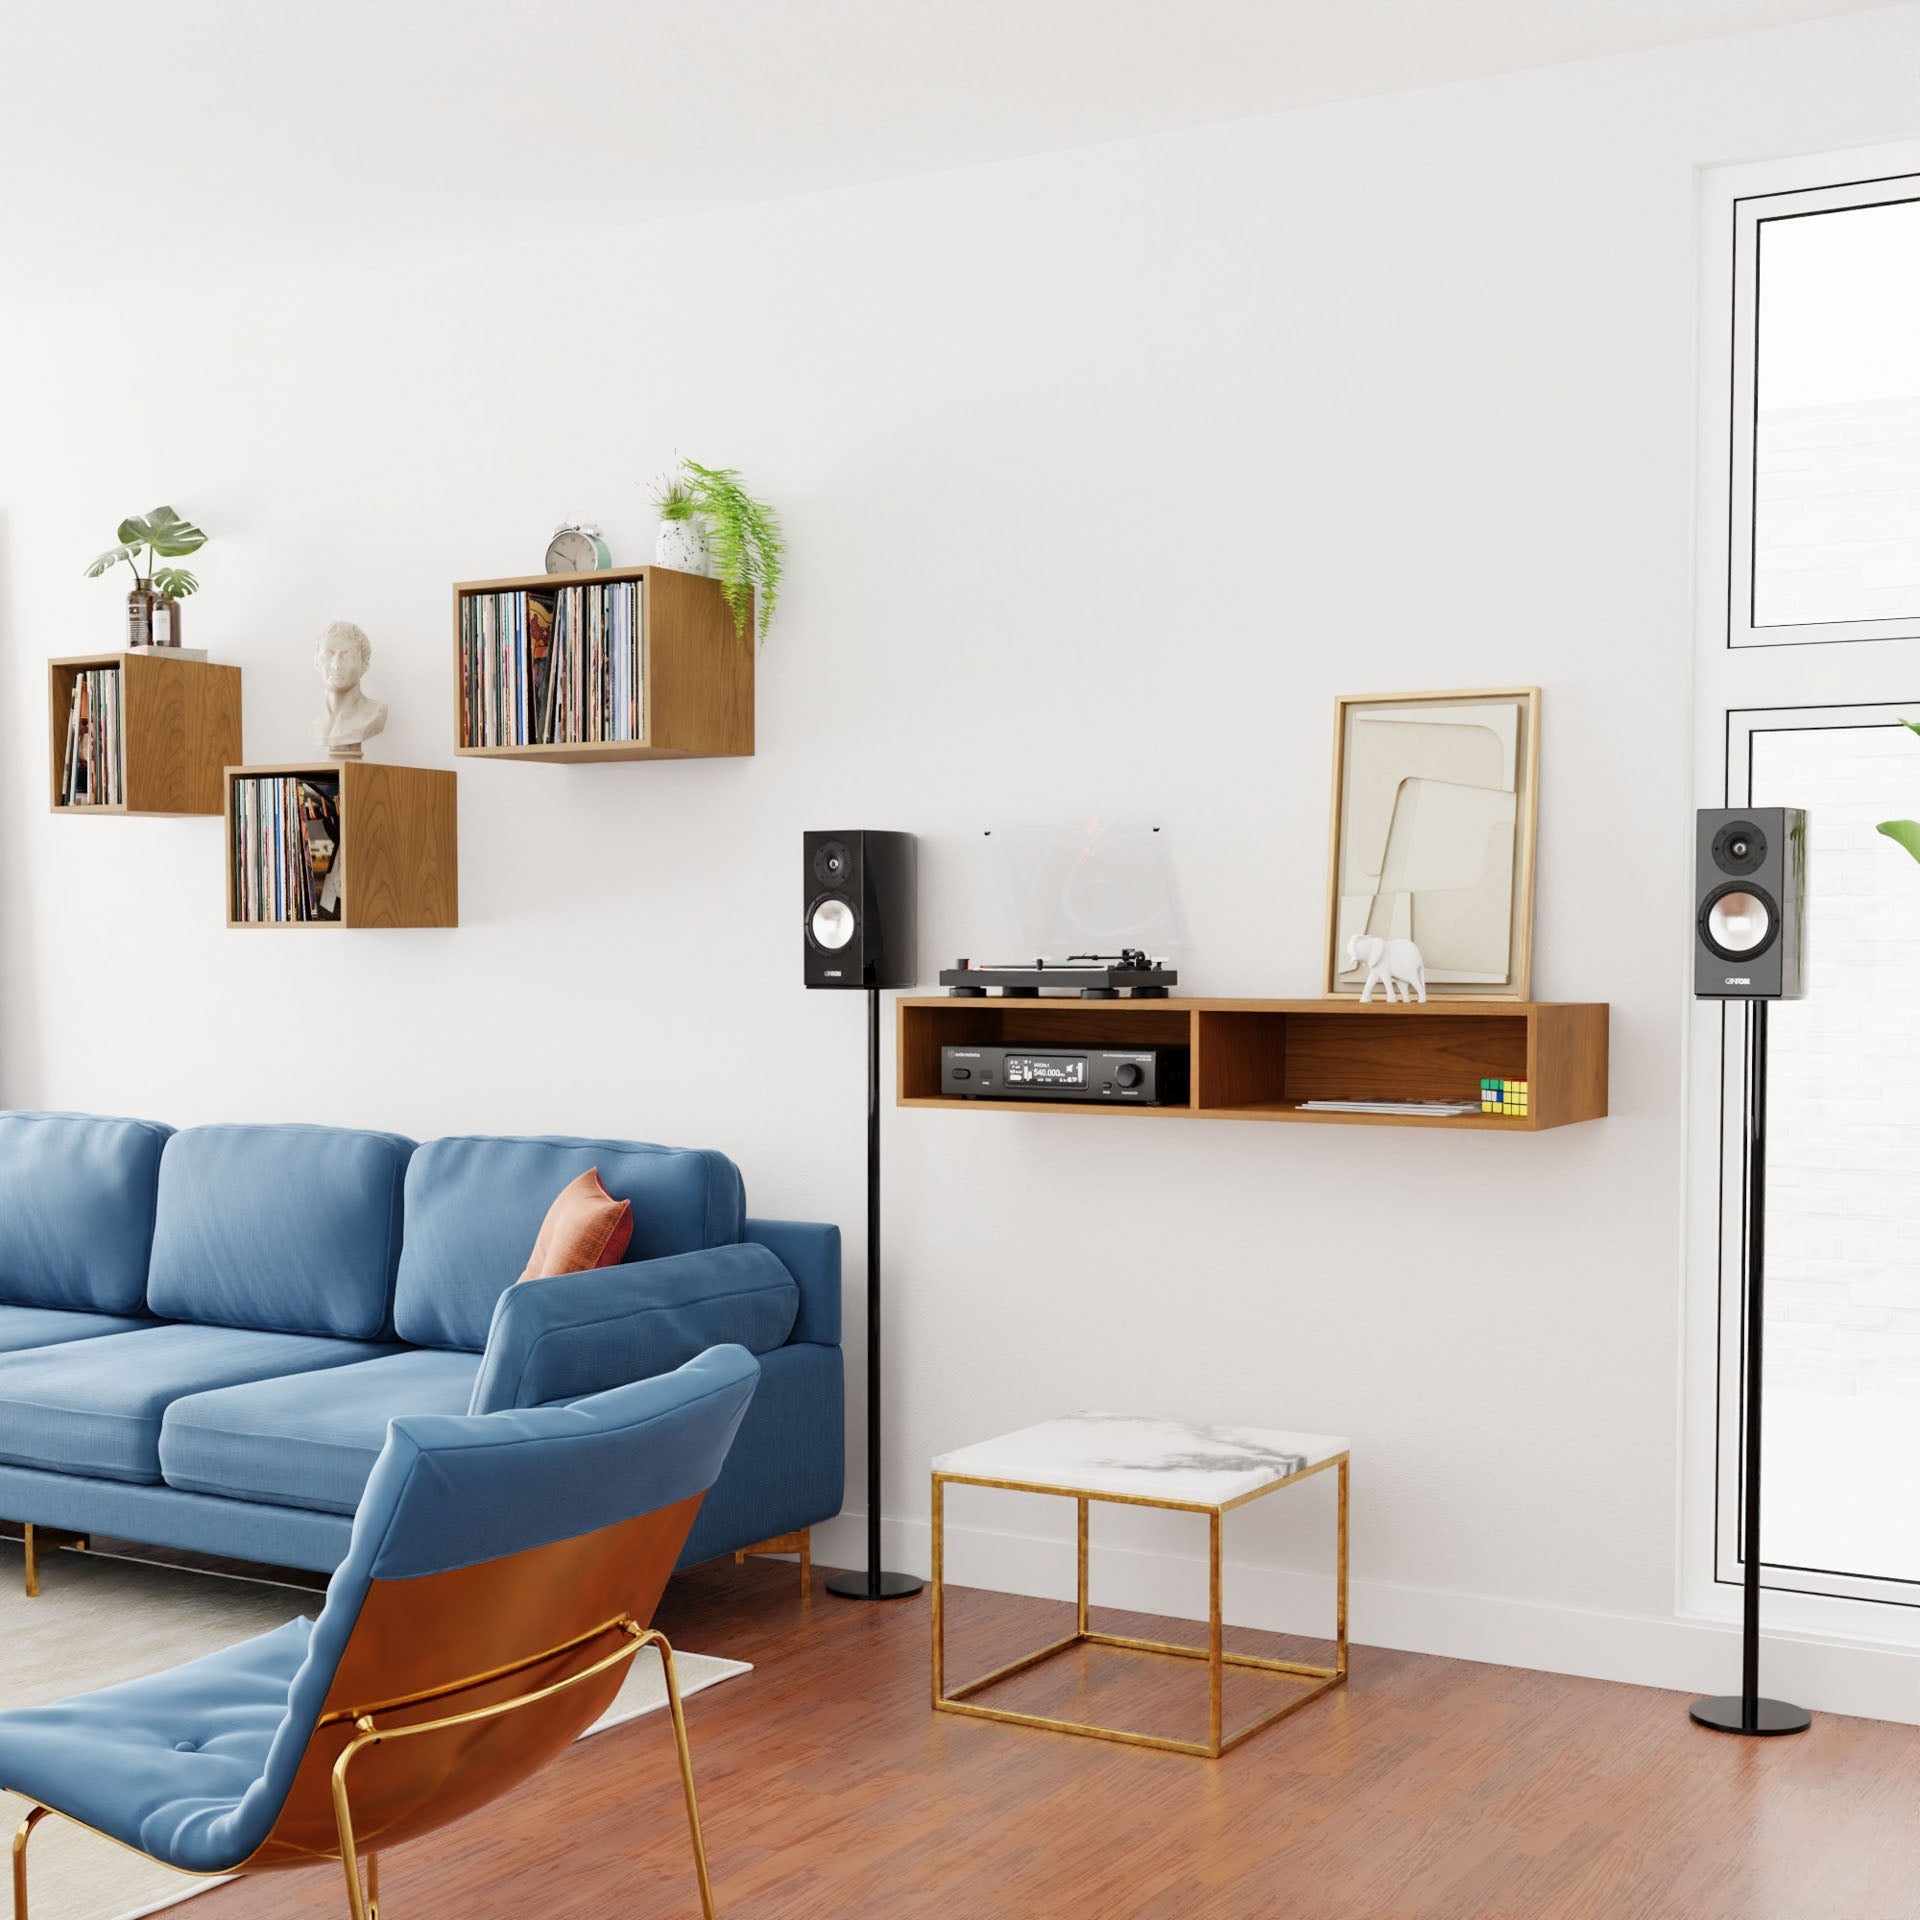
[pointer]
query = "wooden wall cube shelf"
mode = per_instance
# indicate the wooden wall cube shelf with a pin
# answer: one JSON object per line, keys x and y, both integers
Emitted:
{"x": 399, "y": 844}
{"x": 696, "y": 673}
{"x": 180, "y": 725}
{"x": 1258, "y": 1059}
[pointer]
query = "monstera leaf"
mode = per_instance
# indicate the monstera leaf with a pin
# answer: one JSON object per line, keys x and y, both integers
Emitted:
{"x": 112, "y": 558}
{"x": 175, "y": 582}
{"x": 165, "y": 532}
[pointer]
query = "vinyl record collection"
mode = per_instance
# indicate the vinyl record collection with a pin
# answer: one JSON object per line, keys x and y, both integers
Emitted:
{"x": 286, "y": 847}
{"x": 552, "y": 666}
{"x": 92, "y": 773}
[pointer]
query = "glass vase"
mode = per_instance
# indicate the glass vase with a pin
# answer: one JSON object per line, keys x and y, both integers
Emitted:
{"x": 141, "y": 605}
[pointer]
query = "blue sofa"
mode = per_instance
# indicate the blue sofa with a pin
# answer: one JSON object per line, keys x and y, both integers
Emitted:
{"x": 204, "y": 1333}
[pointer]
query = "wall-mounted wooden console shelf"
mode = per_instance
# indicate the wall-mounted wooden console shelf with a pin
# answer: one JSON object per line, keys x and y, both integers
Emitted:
{"x": 179, "y": 724}
{"x": 398, "y": 846}
{"x": 695, "y": 673}
{"x": 1258, "y": 1059}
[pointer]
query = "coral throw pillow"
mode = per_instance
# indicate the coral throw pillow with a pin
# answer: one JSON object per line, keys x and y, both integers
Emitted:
{"x": 585, "y": 1227}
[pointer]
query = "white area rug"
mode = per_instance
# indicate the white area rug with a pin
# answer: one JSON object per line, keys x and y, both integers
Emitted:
{"x": 100, "y": 1621}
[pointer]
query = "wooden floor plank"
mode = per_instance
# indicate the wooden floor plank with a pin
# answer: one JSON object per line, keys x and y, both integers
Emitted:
{"x": 1425, "y": 1790}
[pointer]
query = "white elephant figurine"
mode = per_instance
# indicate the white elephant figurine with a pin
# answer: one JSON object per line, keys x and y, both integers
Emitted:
{"x": 1388, "y": 962}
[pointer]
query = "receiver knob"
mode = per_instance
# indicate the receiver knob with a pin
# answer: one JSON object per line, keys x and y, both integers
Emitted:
{"x": 1127, "y": 1074}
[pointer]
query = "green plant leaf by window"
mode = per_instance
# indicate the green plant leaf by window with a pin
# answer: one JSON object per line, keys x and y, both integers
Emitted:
{"x": 1905, "y": 833}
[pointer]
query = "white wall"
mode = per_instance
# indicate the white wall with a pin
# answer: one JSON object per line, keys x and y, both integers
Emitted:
{"x": 1160, "y": 445}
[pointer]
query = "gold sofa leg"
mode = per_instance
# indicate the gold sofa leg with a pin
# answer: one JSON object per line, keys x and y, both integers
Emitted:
{"x": 48, "y": 1538}
{"x": 20, "y": 1839}
{"x": 800, "y": 1543}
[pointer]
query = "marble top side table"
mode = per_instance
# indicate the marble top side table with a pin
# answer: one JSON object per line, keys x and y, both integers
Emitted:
{"x": 1146, "y": 1463}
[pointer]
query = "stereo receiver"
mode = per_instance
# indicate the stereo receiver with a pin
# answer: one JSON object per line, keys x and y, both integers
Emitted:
{"x": 1143, "y": 1076}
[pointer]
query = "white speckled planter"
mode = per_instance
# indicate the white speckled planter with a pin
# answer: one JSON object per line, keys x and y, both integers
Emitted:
{"x": 682, "y": 546}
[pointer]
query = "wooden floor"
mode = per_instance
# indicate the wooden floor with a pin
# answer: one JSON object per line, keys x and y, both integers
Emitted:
{"x": 1426, "y": 1787}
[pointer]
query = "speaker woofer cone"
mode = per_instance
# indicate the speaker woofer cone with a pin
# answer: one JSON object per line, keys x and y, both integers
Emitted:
{"x": 1739, "y": 922}
{"x": 831, "y": 924}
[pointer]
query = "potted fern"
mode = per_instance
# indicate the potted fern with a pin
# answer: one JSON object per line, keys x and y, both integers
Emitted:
{"x": 153, "y": 607}
{"x": 710, "y": 524}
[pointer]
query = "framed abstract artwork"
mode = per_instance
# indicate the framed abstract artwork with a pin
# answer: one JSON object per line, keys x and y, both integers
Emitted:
{"x": 1435, "y": 809}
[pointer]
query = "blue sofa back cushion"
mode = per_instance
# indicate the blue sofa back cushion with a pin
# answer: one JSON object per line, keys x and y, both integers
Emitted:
{"x": 288, "y": 1229}
{"x": 475, "y": 1204}
{"x": 76, "y": 1210}
{"x": 579, "y": 1333}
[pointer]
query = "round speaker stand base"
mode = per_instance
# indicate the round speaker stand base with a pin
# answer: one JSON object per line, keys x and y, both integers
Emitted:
{"x": 1726, "y": 1713}
{"x": 876, "y": 1586}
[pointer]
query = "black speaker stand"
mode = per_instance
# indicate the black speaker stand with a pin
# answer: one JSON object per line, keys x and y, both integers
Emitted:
{"x": 873, "y": 1584}
{"x": 1745, "y": 1711}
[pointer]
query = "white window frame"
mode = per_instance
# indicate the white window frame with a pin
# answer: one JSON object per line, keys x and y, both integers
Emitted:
{"x": 1751, "y": 211}
{"x": 1746, "y": 677}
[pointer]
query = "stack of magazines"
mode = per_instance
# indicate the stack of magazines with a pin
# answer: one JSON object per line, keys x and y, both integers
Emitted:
{"x": 92, "y": 773}
{"x": 286, "y": 847}
{"x": 551, "y": 667}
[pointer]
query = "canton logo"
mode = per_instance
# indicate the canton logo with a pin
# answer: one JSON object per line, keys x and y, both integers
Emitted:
{"x": 1737, "y": 980}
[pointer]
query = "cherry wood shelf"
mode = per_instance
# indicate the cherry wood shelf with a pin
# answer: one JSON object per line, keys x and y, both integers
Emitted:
{"x": 696, "y": 673}
{"x": 180, "y": 726}
{"x": 1258, "y": 1059}
{"x": 399, "y": 845}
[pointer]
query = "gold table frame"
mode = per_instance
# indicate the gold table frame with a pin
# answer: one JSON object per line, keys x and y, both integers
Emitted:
{"x": 1218, "y": 1741}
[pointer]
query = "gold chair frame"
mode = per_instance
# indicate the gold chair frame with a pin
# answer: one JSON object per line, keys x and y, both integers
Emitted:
{"x": 363, "y": 1901}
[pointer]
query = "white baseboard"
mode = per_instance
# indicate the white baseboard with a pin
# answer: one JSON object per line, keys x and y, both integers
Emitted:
{"x": 1689, "y": 1656}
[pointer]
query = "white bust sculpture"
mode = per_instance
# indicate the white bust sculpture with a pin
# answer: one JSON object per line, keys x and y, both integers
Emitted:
{"x": 341, "y": 657}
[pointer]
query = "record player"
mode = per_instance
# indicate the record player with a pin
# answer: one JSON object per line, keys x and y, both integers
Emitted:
{"x": 1088, "y": 976}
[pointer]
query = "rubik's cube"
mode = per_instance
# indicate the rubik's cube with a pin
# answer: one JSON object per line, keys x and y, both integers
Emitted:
{"x": 1508, "y": 1097}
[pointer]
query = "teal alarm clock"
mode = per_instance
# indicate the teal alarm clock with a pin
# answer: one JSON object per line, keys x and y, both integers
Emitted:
{"x": 577, "y": 548}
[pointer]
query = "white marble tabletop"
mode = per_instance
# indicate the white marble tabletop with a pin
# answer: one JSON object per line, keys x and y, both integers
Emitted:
{"x": 1151, "y": 1459}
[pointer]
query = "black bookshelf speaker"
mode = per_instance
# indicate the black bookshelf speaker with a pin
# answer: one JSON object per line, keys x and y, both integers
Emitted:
{"x": 1750, "y": 903}
{"x": 858, "y": 889}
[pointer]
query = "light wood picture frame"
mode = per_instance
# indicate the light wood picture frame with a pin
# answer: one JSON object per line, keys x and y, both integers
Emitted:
{"x": 1435, "y": 817}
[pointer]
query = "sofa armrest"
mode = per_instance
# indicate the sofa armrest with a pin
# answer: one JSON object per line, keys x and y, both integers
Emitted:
{"x": 810, "y": 1252}
{"x": 580, "y": 1333}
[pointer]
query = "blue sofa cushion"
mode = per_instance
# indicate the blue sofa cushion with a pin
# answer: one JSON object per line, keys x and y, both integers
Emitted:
{"x": 475, "y": 1204}
{"x": 286, "y": 1229}
{"x": 309, "y": 1441}
{"x": 94, "y": 1406}
{"x": 578, "y": 1333}
{"x": 22, "y": 1327}
{"x": 76, "y": 1210}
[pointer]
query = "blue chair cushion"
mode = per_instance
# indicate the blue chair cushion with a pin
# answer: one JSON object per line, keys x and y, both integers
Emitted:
{"x": 94, "y": 1406}
{"x": 475, "y": 1204}
{"x": 76, "y": 1210}
{"x": 22, "y": 1327}
{"x": 309, "y": 1441}
{"x": 194, "y": 1766}
{"x": 153, "y": 1761}
{"x": 285, "y": 1229}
